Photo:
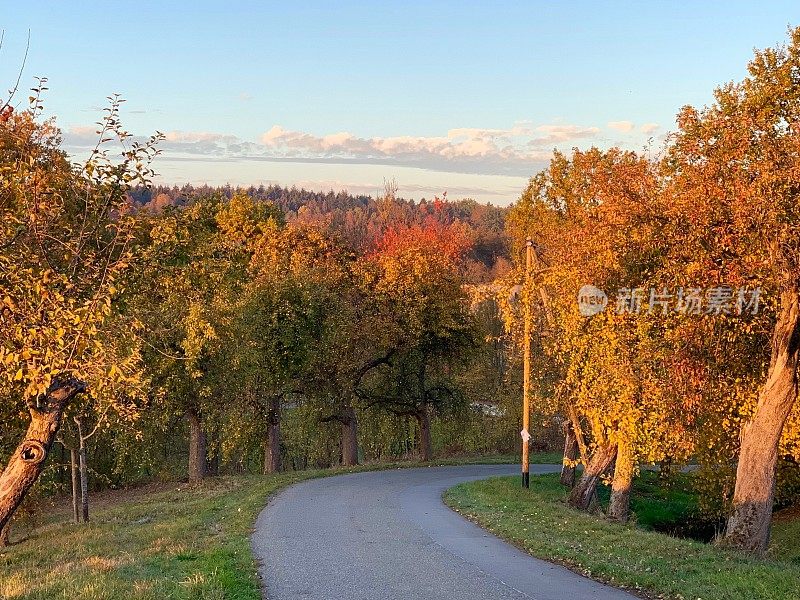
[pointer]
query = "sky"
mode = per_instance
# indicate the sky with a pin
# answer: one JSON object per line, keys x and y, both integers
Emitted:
{"x": 468, "y": 98}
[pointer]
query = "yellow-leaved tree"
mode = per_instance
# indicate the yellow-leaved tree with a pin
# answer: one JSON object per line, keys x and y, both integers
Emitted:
{"x": 591, "y": 218}
{"x": 65, "y": 245}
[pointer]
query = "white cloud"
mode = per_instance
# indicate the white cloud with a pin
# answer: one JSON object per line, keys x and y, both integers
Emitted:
{"x": 519, "y": 150}
{"x": 648, "y": 128}
{"x": 192, "y": 137}
{"x": 559, "y": 134}
{"x": 622, "y": 126}
{"x": 85, "y": 133}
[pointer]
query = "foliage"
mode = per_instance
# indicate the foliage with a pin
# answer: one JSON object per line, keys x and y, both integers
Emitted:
{"x": 66, "y": 246}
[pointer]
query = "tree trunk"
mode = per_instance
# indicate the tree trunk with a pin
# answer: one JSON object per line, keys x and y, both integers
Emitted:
{"x": 749, "y": 522}
{"x": 27, "y": 462}
{"x": 577, "y": 430}
{"x": 570, "y": 455}
{"x": 84, "y": 471}
{"x": 583, "y": 493}
{"x": 197, "y": 447}
{"x": 5, "y": 535}
{"x": 272, "y": 445}
{"x": 349, "y": 436}
{"x": 73, "y": 461}
{"x": 620, "y": 504}
{"x": 425, "y": 445}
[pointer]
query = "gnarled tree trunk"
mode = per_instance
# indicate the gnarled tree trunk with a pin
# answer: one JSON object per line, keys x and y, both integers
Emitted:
{"x": 620, "y": 504}
{"x": 749, "y": 523}
{"x": 349, "y": 436}
{"x": 425, "y": 444}
{"x": 27, "y": 462}
{"x": 272, "y": 444}
{"x": 570, "y": 455}
{"x": 197, "y": 446}
{"x": 582, "y": 495}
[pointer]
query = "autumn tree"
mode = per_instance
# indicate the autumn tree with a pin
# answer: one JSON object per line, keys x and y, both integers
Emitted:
{"x": 591, "y": 220}
{"x": 288, "y": 321}
{"x": 414, "y": 275}
{"x": 188, "y": 281}
{"x": 356, "y": 345}
{"x": 733, "y": 200}
{"x": 65, "y": 247}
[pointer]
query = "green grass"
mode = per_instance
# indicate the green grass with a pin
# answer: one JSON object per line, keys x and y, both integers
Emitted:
{"x": 786, "y": 535}
{"x": 163, "y": 541}
{"x": 669, "y": 507}
{"x": 651, "y": 563}
{"x": 185, "y": 542}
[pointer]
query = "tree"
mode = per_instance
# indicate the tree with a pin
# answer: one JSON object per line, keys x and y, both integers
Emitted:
{"x": 355, "y": 347}
{"x": 415, "y": 278}
{"x": 192, "y": 271}
{"x": 733, "y": 198}
{"x": 288, "y": 317}
{"x": 591, "y": 218}
{"x": 65, "y": 246}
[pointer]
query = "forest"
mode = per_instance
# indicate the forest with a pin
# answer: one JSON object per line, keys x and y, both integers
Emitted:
{"x": 152, "y": 333}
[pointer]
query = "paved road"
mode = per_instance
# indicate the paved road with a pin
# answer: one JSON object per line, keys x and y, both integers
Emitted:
{"x": 387, "y": 535}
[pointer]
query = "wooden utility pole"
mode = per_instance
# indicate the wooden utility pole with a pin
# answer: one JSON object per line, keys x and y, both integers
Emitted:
{"x": 526, "y": 378}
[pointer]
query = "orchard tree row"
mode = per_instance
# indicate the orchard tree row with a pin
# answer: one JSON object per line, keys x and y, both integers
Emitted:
{"x": 135, "y": 337}
{"x": 138, "y": 332}
{"x": 716, "y": 216}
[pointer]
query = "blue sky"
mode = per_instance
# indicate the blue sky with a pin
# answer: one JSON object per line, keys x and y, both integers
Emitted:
{"x": 468, "y": 97}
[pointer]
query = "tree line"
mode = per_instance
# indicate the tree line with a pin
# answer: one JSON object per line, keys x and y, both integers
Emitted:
{"x": 218, "y": 328}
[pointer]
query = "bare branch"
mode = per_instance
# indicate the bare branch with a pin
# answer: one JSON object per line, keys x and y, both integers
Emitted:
{"x": 12, "y": 92}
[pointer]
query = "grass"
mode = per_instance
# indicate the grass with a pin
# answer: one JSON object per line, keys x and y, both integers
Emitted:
{"x": 184, "y": 542}
{"x": 649, "y": 563}
{"x": 786, "y": 535}
{"x": 669, "y": 507}
{"x": 162, "y": 541}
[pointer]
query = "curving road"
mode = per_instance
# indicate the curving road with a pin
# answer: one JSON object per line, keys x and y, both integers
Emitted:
{"x": 387, "y": 535}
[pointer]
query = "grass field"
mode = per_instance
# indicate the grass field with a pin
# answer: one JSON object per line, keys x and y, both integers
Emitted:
{"x": 162, "y": 541}
{"x": 650, "y": 563}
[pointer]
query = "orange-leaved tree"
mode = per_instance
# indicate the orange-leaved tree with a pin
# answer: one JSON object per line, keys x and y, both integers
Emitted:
{"x": 733, "y": 172}
{"x": 592, "y": 217}
{"x": 415, "y": 278}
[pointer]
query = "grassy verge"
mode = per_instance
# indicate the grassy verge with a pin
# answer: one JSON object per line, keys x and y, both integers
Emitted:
{"x": 163, "y": 541}
{"x": 650, "y": 563}
{"x": 184, "y": 542}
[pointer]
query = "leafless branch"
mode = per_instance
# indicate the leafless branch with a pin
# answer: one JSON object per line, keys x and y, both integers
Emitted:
{"x": 12, "y": 92}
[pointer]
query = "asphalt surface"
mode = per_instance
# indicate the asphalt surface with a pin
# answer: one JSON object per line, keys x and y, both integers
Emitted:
{"x": 387, "y": 535}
